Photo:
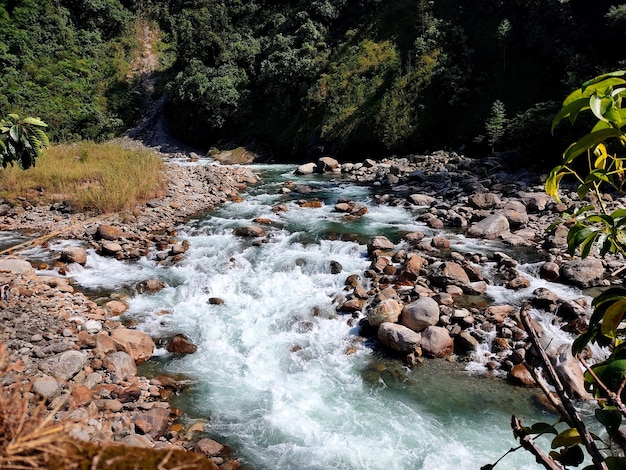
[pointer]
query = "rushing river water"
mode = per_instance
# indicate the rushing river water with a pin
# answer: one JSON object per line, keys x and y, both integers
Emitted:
{"x": 271, "y": 372}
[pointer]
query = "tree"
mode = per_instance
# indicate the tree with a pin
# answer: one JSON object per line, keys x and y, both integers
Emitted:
{"x": 496, "y": 124}
{"x": 22, "y": 140}
{"x": 593, "y": 226}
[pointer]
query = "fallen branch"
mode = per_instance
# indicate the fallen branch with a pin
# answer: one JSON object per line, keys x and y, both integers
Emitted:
{"x": 527, "y": 443}
{"x": 572, "y": 414}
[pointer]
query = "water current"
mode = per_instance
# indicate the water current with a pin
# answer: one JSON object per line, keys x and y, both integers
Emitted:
{"x": 272, "y": 375}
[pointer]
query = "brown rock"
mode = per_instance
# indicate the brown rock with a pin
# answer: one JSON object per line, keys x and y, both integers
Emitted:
{"x": 352, "y": 305}
{"x": 386, "y": 311}
{"x": 156, "y": 419}
{"x": 137, "y": 344}
{"x": 108, "y": 232}
{"x": 209, "y": 447}
{"x": 180, "y": 344}
{"x": 116, "y": 307}
{"x": 518, "y": 283}
{"x": 436, "y": 342}
{"x": 519, "y": 375}
{"x": 249, "y": 231}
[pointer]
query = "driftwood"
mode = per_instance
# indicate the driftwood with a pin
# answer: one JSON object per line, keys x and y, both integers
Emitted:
{"x": 571, "y": 413}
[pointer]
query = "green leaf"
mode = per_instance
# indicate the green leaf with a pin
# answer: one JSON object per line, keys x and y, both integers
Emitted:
{"x": 542, "y": 428}
{"x": 601, "y": 219}
{"x": 600, "y": 105}
{"x": 618, "y": 213}
{"x": 579, "y": 343}
{"x": 34, "y": 122}
{"x": 587, "y": 244}
{"x": 616, "y": 463}
{"x": 571, "y": 109}
{"x": 587, "y": 142}
{"x": 553, "y": 181}
{"x": 605, "y": 76}
{"x": 613, "y": 317}
{"x": 572, "y": 456}
{"x": 582, "y": 191}
{"x": 610, "y": 419}
{"x": 566, "y": 438}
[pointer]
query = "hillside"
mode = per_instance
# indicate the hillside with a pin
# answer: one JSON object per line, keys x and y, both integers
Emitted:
{"x": 350, "y": 78}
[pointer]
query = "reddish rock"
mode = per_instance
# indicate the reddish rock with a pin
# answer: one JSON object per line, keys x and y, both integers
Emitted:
{"x": 180, "y": 344}
{"x": 137, "y": 344}
{"x": 519, "y": 375}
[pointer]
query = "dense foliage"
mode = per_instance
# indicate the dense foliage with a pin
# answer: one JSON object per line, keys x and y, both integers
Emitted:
{"x": 352, "y": 78}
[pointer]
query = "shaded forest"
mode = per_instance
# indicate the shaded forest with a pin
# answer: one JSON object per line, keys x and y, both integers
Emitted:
{"x": 295, "y": 79}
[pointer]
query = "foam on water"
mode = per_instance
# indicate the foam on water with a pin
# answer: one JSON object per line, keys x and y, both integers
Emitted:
{"x": 271, "y": 370}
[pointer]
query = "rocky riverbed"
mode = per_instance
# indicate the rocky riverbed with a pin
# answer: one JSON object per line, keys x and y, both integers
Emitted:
{"x": 416, "y": 297}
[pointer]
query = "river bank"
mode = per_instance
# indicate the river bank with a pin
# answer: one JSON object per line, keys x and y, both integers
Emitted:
{"x": 449, "y": 193}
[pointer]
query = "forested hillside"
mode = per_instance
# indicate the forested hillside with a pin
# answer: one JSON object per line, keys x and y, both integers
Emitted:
{"x": 351, "y": 78}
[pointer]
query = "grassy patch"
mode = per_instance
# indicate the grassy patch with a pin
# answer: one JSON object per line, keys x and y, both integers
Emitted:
{"x": 102, "y": 178}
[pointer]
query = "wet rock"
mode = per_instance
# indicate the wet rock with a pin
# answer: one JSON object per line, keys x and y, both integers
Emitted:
{"x": 387, "y": 310}
{"x": 137, "y": 344}
{"x": 490, "y": 227}
{"x": 180, "y": 344}
{"x": 398, "y": 337}
{"x": 379, "y": 244}
{"x": 436, "y": 342}
{"x": 549, "y": 271}
{"x": 465, "y": 343}
{"x": 150, "y": 286}
{"x": 586, "y": 272}
{"x": 335, "y": 267}
{"x": 420, "y": 314}
{"x": 116, "y": 307}
{"x": 519, "y": 375}
{"x": 250, "y": 231}
{"x": 449, "y": 273}
{"x": 328, "y": 165}
{"x": 517, "y": 283}
{"x": 74, "y": 254}
{"x": 216, "y": 301}
{"x": 209, "y": 447}
{"x": 352, "y": 305}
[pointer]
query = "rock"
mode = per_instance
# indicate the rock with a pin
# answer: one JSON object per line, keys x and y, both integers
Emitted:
{"x": 335, "y": 267}
{"x": 549, "y": 271}
{"x": 420, "y": 314}
{"x": 378, "y": 244}
{"x": 157, "y": 418}
{"x": 387, "y": 310}
{"x": 17, "y": 266}
{"x": 110, "y": 248}
{"x": 398, "y": 337}
{"x": 534, "y": 202}
{"x": 519, "y": 375}
{"x": 465, "y": 343}
{"x": 209, "y": 447}
{"x": 490, "y": 227}
{"x": 137, "y": 440}
{"x": 414, "y": 238}
{"x": 108, "y": 232}
{"x": 517, "y": 283}
{"x": 46, "y": 386}
{"x": 421, "y": 199}
{"x": 150, "y": 286}
{"x": 582, "y": 272}
{"x": 352, "y": 305}
{"x": 74, "y": 254}
{"x": 515, "y": 213}
{"x": 328, "y": 165}
{"x": 216, "y": 301}
{"x": 436, "y": 342}
{"x": 306, "y": 169}
{"x": 116, "y": 307}
{"x": 441, "y": 243}
{"x": 484, "y": 200}
{"x": 180, "y": 344}
{"x": 92, "y": 326}
{"x": 570, "y": 373}
{"x": 122, "y": 364}
{"x": 67, "y": 364}
{"x": 249, "y": 231}
{"x": 137, "y": 344}
{"x": 544, "y": 298}
{"x": 498, "y": 313}
{"x": 449, "y": 272}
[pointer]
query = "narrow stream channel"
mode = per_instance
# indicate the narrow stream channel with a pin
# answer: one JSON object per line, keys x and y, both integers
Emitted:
{"x": 272, "y": 374}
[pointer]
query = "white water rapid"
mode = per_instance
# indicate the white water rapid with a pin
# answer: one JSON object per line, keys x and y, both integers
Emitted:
{"x": 271, "y": 372}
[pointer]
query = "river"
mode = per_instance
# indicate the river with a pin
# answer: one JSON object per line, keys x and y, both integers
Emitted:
{"x": 272, "y": 375}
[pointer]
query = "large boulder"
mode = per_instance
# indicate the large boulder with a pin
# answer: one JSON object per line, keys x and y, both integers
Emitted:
{"x": 398, "y": 337}
{"x": 437, "y": 342}
{"x": 74, "y": 254}
{"x": 17, "y": 266}
{"x": 136, "y": 343}
{"x": 379, "y": 244}
{"x": 66, "y": 365}
{"x": 387, "y": 310}
{"x": 328, "y": 165}
{"x": 450, "y": 273}
{"x": 420, "y": 314}
{"x": 485, "y": 200}
{"x": 249, "y": 231}
{"x": 582, "y": 272}
{"x": 122, "y": 364}
{"x": 306, "y": 169}
{"x": 490, "y": 227}
{"x": 180, "y": 344}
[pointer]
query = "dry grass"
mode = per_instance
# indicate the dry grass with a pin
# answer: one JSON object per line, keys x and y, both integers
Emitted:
{"x": 103, "y": 178}
{"x": 30, "y": 439}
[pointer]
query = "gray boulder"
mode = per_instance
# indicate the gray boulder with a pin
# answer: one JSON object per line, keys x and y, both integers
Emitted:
{"x": 490, "y": 227}
{"x": 437, "y": 342}
{"x": 586, "y": 272}
{"x": 398, "y": 337}
{"x": 420, "y": 314}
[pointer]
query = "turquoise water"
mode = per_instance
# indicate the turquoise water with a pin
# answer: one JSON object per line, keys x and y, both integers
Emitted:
{"x": 272, "y": 375}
